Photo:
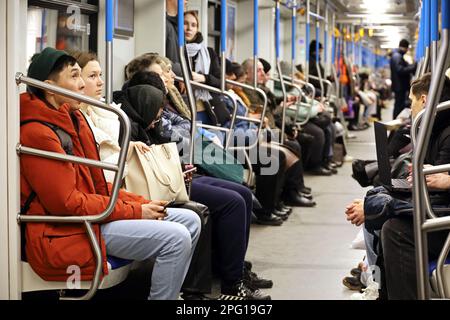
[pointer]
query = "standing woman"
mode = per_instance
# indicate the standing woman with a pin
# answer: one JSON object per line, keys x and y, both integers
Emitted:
{"x": 205, "y": 68}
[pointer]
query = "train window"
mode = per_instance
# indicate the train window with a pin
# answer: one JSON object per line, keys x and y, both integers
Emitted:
{"x": 64, "y": 25}
{"x": 214, "y": 25}
{"x": 214, "y": 17}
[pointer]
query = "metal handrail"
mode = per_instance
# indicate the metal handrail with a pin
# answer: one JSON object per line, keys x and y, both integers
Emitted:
{"x": 20, "y": 78}
{"x": 280, "y": 74}
{"x": 299, "y": 104}
{"x": 440, "y": 268}
{"x": 327, "y": 82}
{"x": 420, "y": 223}
{"x": 186, "y": 77}
{"x": 299, "y": 81}
{"x": 436, "y": 169}
{"x": 218, "y": 91}
{"x": 119, "y": 168}
{"x": 260, "y": 122}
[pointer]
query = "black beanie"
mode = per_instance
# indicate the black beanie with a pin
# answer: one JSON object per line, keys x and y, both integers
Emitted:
{"x": 404, "y": 43}
{"x": 266, "y": 65}
{"x": 42, "y": 65}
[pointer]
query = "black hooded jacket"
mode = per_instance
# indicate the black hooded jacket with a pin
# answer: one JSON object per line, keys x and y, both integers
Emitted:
{"x": 141, "y": 104}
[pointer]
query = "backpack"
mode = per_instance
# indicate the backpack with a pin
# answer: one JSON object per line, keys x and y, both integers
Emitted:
{"x": 67, "y": 145}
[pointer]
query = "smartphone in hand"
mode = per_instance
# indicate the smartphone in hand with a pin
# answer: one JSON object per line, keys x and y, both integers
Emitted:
{"x": 192, "y": 170}
{"x": 168, "y": 204}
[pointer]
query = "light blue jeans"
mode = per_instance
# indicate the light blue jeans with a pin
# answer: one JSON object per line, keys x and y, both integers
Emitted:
{"x": 371, "y": 251}
{"x": 171, "y": 242}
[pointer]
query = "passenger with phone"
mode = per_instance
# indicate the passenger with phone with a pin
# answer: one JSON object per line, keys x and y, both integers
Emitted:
{"x": 230, "y": 204}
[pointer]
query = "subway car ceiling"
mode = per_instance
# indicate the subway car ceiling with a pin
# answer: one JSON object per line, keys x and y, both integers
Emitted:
{"x": 380, "y": 23}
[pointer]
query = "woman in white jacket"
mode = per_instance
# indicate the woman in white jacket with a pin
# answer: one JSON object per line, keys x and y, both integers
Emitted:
{"x": 104, "y": 124}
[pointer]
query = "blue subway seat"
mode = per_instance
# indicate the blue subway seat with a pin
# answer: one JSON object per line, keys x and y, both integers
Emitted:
{"x": 433, "y": 265}
{"x": 117, "y": 263}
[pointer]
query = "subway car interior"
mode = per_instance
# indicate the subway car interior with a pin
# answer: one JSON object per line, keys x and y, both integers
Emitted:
{"x": 224, "y": 150}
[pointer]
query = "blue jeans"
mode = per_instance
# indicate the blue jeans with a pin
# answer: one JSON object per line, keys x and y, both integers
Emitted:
{"x": 371, "y": 251}
{"x": 171, "y": 242}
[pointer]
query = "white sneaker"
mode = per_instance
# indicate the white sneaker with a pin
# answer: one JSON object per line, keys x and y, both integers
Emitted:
{"x": 370, "y": 293}
{"x": 348, "y": 158}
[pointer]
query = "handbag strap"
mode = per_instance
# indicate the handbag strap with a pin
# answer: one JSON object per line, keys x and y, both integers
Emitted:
{"x": 161, "y": 175}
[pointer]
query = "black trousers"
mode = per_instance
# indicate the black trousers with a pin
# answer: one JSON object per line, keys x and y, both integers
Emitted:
{"x": 399, "y": 260}
{"x": 230, "y": 206}
{"x": 295, "y": 175}
{"x": 270, "y": 186}
{"x": 314, "y": 153}
{"x": 400, "y": 102}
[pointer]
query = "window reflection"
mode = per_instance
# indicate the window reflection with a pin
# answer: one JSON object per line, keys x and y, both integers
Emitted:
{"x": 63, "y": 30}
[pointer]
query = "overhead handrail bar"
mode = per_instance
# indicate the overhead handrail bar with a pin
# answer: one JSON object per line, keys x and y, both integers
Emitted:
{"x": 420, "y": 221}
{"x": 316, "y": 15}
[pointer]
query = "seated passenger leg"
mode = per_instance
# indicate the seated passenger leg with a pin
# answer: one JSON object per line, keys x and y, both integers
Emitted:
{"x": 171, "y": 242}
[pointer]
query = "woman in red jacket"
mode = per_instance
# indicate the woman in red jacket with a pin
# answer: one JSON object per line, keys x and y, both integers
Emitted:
{"x": 137, "y": 229}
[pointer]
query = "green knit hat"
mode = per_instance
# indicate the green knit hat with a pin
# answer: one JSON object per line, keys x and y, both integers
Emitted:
{"x": 43, "y": 63}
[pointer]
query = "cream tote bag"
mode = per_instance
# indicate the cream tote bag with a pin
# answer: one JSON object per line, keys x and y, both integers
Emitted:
{"x": 156, "y": 175}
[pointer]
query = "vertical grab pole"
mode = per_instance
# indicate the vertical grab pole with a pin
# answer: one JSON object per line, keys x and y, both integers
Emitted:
{"x": 186, "y": 78}
{"x": 308, "y": 36}
{"x": 437, "y": 83}
{"x": 280, "y": 74}
{"x": 353, "y": 44}
{"x": 319, "y": 72}
{"x": 294, "y": 38}
{"x": 255, "y": 43}
{"x": 325, "y": 35}
{"x": 333, "y": 42}
{"x": 434, "y": 33}
{"x": 427, "y": 36}
{"x": 361, "y": 48}
{"x": 419, "y": 49}
{"x": 109, "y": 49}
{"x": 223, "y": 41}
{"x": 223, "y": 51}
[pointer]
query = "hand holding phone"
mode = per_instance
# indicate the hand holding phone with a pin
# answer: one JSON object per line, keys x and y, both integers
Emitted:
{"x": 192, "y": 170}
{"x": 188, "y": 173}
{"x": 168, "y": 204}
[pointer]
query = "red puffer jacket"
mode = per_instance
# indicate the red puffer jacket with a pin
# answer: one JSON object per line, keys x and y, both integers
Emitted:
{"x": 64, "y": 189}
